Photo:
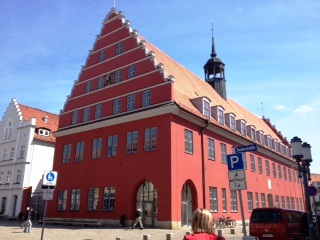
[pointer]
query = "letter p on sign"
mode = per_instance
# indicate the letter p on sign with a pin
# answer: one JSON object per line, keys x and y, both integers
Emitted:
{"x": 235, "y": 162}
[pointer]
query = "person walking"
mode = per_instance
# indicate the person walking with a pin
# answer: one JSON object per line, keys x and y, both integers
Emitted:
{"x": 27, "y": 223}
{"x": 137, "y": 220}
{"x": 202, "y": 226}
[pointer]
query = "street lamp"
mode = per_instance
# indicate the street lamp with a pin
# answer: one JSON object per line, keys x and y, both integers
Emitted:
{"x": 301, "y": 152}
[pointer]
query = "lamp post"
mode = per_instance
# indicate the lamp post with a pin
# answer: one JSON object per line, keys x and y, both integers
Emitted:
{"x": 301, "y": 152}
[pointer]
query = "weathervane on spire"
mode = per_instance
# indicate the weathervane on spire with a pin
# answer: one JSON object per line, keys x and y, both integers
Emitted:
{"x": 212, "y": 29}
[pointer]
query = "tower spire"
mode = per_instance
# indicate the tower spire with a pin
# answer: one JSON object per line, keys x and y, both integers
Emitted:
{"x": 213, "y": 51}
{"x": 214, "y": 71}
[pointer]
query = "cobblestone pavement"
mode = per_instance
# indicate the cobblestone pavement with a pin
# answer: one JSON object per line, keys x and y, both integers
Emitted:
{"x": 10, "y": 230}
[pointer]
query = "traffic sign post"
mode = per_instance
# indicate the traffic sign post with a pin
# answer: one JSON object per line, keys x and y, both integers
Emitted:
{"x": 237, "y": 176}
{"x": 49, "y": 181}
{"x": 235, "y": 162}
{"x": 313, "y": 191}
{"x": 248, "y": 148}
{"x": 238, "y": 185}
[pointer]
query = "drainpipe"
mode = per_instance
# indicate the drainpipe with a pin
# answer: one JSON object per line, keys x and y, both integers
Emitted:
{"x": 203, "y": 164}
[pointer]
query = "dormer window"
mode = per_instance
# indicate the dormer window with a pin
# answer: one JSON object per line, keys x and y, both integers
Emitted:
{"x": 230, "y": 119}
{"x": 203, "y": 105}
{"x": 252, "y": 132}
{"x": 206, "y": 108}
{"x": 281, "y": 149}
{"x": 269, "y": 141}
{"x": 260, "y": 137}
{"x": 44, "y": 132}
{"x": 220, "y": 115}
{"x": 242, "y": 127}
{"x": 276, "y": 146}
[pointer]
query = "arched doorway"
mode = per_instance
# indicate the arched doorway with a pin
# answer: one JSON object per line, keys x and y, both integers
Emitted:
{"x": 186, "y": 205}
{"x": 147, "y": 200}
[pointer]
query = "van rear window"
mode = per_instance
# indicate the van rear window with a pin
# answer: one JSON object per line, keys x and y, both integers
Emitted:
{"x": 266, "y": 216}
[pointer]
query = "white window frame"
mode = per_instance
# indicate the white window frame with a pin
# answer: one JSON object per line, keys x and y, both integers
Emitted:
{"x": 118, "y": 76}
{"x": 213, "y": 191}
{"x": 150, "y": 139}
{"x": 232, "y": 120}
{"x": 75, "y": 117}
{"x": 116, "y": 106}
{"x": 119, "y": 48}
{"x": 88, "y": 86}
{"x": 98, "y": 111}
{"x": 79, "y": 151}
{"x": 188, "y": 141}
{"x": 211, "y": 149}
{"x": 86, "y": 114}
{"x": 112, "y": 146}
{"x": 243, "y": 127}
{"x": 146, "y": 98}
{"x": 206, "y": 108}
{"x": 220, "y": 116}
{"x": 102, "y": 55}
{"x": 131, "y": 102}
{"x": 132, "y": 71}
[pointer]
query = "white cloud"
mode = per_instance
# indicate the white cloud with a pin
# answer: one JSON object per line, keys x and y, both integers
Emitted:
{"x": 280, "y": 107}
{"x": 303, "y": 109}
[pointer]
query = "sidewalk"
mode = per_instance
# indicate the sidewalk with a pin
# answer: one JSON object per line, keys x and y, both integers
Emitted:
{"x": 10, "y": 230}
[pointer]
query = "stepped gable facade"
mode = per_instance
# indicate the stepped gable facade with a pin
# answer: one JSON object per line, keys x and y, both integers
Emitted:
{"x": 140, "y": 129}
{"x": 26, "y": 151}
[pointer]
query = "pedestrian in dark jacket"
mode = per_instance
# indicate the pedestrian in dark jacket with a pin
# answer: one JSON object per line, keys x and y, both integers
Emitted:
{"x": 137, "y": 216}
{"x": 27, "y": 224}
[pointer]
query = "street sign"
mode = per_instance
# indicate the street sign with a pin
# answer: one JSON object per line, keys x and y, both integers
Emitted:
{"x": 237, "y": 175}
{"x": 313, "y": 191}
{"x": 47, "y": 194}
{"x": 235, "y": 162}
{"x": 49, "y": 178}
{"x": 238, "y": 185}
{"x": 249, "y": 148}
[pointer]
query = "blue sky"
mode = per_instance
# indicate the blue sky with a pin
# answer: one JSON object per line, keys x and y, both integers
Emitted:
{"x": 271, "y": 50}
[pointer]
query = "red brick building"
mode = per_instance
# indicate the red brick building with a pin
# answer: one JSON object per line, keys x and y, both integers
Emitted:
{"x": 140, "y": 129}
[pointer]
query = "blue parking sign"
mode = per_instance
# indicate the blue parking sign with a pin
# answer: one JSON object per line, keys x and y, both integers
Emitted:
{"x": 235, "y": 162}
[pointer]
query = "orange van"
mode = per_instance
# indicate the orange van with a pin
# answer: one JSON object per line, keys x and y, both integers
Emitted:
{"x": 276, "y": 223}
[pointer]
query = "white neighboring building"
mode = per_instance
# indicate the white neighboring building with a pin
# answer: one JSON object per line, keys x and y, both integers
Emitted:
{"x": 26, "y": 151}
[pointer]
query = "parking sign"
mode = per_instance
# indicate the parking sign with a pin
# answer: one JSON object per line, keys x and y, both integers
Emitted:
{"x": 235, "y": 162}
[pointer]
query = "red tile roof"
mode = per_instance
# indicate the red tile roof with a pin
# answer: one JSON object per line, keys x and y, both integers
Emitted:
{"x": 52, "y": 124}
{"x": 188, "y": 86}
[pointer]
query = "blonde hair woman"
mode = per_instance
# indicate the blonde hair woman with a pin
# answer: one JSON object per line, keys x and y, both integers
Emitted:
{"x": 202, "y": 226}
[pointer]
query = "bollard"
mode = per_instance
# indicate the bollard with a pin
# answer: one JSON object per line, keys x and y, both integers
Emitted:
{"x": 220, "y": 232}
{"x": 169, "y": 236}
{"x": 232, "y": 231}
{"x": 146, "y": 237}
{"x": 188, "y": 233}
{"x": 119, "y": 238}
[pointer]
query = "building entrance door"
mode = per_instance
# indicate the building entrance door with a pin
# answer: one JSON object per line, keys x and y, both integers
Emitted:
{"x": 186, "y": 206}
{"x": 15, "y": 197}
{"x": 270, "y": 200}
{"x": 147, "y": 200}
